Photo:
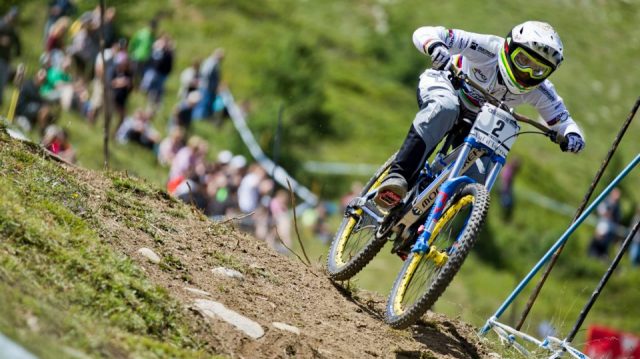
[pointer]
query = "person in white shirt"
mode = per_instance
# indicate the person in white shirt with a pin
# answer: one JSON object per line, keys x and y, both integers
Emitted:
{"x": 513, "y": 69}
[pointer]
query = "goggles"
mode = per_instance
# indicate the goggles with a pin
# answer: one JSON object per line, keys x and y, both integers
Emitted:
{"x": 529, "y": 64}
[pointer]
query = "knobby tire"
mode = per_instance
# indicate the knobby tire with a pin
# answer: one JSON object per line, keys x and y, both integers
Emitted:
{"x": 400, "y": 319}
{"x": 373, "y": 245}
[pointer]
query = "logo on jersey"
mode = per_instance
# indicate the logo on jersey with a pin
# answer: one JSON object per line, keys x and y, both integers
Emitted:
{"x": 473, "y": 95}
{"x": 474, "y": 46}
{"x": 563, "y": 116}
{"x": 479, "y": 75}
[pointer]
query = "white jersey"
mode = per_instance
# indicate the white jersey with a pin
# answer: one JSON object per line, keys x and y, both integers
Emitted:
{"x": 478, "y": 57}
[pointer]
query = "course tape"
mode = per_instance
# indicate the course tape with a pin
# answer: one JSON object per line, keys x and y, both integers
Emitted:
{"x": 11, "y": 350}
{"x": 278, "y": 173}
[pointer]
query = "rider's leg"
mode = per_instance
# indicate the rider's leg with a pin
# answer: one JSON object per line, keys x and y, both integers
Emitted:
{"x": 439, "y": 111}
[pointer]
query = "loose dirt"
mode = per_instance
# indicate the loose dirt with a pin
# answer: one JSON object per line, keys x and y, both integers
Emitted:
{"x": 333, "y": 322}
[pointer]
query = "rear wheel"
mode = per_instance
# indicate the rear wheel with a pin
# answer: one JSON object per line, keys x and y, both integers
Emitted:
{"x": 355, "y": 244}
{"x": 425, "y": 276}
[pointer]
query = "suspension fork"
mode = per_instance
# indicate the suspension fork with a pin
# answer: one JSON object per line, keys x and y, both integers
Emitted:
{"x": 460, "y": 161}
{"x": 498, "y": 163}
{"x": 446, "y": 191}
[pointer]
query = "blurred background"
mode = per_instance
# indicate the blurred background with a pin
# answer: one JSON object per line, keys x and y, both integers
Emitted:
{"x": 328, "y": 91}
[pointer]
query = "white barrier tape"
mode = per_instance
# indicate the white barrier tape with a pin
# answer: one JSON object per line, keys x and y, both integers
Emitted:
{"x": 340, "y": 168}
{"x": 11, "y": 350}
{"x": 279, "y": 174}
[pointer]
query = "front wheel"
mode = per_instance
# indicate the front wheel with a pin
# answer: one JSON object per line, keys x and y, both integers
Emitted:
{"x": 356, "y": 243}
{"x": 425, "y": 276}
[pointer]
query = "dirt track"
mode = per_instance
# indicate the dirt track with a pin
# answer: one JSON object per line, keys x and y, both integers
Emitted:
{"x": 333, "y": 323}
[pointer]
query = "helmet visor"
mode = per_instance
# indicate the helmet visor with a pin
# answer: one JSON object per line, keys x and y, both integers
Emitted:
{"x": 529, "y": 65}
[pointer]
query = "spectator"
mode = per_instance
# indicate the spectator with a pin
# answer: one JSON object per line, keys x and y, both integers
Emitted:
{"x": 138, "y": 129}
{"x": 183, "y": 113}
{"x": 507, "y": 175}
{"x": 121, "y": 86}
{"x": 237, "y": 163}
{"x": 248, "y": 191}
{"x": 356, "y": 188}
{"x": 9, "y": 45}
{"x": 170, "y": 146}
{"x": 52, "y": 59}
{"x": 83, "y": 48}
{"x": 262, "y": 217}
{"x": 224, "y": 157}
{"x": 140, "y": 48}
{"x": 189, "y": 80}
{"x": 58, "y": 86}
{"x": 193, "y": 192}
{"x": 608, "y": 221}
{"x": 188, "y": 158}
{"x": 320, "y": 225}
{"x": 281, "y": 221}
{"x": 160, "y": 67}
{"x": 96, "y": 102}
{"x": 209, "y": 81}
{"x": 57, "y": 10}
{"x": 32, "y": 109}
{"x": 56, "y": 38}
{"x": 220, "y": 197}
{"x": 56, "y": 141}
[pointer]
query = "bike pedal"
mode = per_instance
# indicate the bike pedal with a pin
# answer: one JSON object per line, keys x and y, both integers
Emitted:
{"x": 403, "y": 255}
{"x": 388, "y": 199}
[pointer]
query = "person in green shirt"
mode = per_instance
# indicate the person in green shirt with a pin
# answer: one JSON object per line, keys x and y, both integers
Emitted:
{"x": 58, "y": 86}
{"x": 55, "y": 77}
{"x": 140, "y": 48}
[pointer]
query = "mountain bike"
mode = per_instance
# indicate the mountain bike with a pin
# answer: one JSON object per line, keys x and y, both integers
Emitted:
{"x": 437, "y": 223}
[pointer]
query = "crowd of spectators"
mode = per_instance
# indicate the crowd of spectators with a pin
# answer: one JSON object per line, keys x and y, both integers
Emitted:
{"x": 72, "y": 75}
{"x": 610, "y": 229}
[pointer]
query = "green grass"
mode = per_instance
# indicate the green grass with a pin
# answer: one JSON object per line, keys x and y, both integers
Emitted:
{"x": 369, "y": 80}
{"x": 63, "y": 289}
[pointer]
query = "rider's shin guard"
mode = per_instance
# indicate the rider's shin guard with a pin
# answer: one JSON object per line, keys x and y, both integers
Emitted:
{"x": 410, "y": 156}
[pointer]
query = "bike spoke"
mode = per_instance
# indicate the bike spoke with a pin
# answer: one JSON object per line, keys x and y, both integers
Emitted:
{"x": 427, "y": 270}
{"x": 360, "y": 236}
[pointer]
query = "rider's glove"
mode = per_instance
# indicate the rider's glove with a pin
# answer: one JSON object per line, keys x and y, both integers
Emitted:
{"x": 440, "y": 55}
{"x": 573, "y": 143}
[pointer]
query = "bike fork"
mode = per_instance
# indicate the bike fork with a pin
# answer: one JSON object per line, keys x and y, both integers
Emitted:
{"x": 447, "y": 189}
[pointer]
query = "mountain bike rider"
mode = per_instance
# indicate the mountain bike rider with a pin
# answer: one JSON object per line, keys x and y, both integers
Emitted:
{"x": 514, "y": 70}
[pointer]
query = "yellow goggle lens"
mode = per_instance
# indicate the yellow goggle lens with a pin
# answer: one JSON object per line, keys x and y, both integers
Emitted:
{"x": 527, "y": 63}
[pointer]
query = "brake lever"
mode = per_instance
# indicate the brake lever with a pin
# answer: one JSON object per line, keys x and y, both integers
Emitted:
{"x": 557, "y": 138}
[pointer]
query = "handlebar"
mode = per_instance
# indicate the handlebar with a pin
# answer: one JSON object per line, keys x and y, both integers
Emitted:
{"x": 460, "y": 75}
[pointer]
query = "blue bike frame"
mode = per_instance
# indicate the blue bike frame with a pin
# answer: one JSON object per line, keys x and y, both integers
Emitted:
{"x": 454, "y": 181}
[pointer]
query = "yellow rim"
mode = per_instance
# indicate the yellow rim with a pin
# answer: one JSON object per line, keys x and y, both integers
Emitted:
{"x": 439, "y": 258}
{"x": 448, "y": 215}
{"x": 346, "y": 233}
{"x": 343, "y": 238}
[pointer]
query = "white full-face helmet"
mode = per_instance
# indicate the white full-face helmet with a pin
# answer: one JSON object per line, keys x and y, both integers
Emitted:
{"x": 531, "y": 52}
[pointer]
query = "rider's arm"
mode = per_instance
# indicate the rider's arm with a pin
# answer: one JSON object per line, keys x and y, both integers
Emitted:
{"x": 478, "y": 48}
{"x": 553, "y": 110}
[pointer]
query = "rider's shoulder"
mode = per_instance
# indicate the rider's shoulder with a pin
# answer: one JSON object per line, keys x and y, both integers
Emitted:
{"x": 481, "y": 49}
{"x": 545, "y": 90}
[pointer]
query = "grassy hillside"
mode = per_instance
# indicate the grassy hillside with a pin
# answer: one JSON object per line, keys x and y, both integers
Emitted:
{"x": 64, "y": 290}
{"x": 364, "y": 78}
{"x": 73, "y": 285}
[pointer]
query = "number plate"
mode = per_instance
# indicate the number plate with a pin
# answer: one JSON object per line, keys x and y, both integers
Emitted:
{"x": 495, "y": 129}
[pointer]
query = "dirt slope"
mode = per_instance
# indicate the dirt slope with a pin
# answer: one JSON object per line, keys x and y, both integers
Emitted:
{"x": 333, "y": 324}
